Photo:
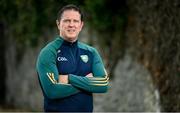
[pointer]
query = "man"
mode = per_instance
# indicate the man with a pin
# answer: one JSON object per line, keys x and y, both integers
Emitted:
{"x": 70, "y": 71}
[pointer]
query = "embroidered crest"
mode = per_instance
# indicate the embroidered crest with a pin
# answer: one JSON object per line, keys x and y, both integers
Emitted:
{"x": 84, "y": 58}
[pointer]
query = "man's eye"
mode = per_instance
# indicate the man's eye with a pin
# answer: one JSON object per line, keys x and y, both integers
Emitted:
{"x": 66, "y": 20}
{"x": 76, "y": 21}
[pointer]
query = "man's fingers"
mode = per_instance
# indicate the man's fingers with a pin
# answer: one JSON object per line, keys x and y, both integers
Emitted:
{"x": 63, "y": 79}
{"x": 89, "y": 75}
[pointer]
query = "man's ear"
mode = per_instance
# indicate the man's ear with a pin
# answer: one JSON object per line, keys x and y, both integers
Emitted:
{"x": 82, "y": 24}
{"x": 58, "y": 24}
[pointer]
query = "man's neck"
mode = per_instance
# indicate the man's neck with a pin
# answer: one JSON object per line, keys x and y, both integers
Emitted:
{"x": 72, "y": 41}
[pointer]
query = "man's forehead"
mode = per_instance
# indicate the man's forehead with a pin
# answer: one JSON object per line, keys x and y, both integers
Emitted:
{"x": 70, "y": 14}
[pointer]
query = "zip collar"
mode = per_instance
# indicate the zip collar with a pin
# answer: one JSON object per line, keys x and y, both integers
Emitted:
{"x": 72, "y": 44}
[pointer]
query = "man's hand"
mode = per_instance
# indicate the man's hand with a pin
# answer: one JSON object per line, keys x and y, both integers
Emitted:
{"x": 63, "y": 79}
{"x": 89, "y": 75}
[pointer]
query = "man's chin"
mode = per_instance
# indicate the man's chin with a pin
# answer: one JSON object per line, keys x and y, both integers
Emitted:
{"x": 72, "y": 39}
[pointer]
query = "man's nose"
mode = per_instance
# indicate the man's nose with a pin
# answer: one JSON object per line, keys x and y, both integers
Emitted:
{"x": 71, "y": 23}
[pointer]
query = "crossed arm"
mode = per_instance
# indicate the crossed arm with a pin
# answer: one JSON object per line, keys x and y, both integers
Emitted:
{"x": 64, "y": 78}
{"x": 60, "y": 86}
{"x": 88, "y": 83}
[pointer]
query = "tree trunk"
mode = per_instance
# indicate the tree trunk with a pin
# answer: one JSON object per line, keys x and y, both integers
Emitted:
{"x": 154, "y": 40}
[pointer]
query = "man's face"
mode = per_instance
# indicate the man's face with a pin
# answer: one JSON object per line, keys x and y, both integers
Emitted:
{"x": 70, "y": 25}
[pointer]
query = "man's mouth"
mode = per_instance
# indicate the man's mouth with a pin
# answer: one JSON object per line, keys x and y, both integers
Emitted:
{"x": 71, "y": 31}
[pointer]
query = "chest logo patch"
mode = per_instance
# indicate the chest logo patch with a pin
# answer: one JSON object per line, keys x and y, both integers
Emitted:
{"x": 84, "y": 58}
{"x": 62, "y": 59}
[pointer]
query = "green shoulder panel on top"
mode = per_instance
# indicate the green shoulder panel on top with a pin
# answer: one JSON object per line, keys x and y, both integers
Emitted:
{"x": 53, "y": 46}
{"x": 49, "y": 51}
{"x": 86, "y": 47}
